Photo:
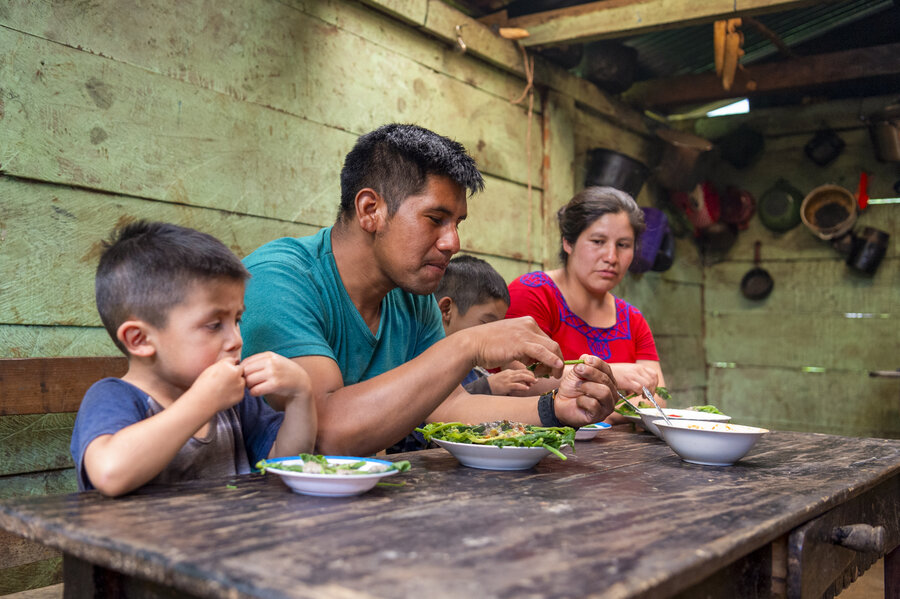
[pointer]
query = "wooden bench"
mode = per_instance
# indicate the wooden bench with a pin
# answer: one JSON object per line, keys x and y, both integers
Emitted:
{"x": 38, "y": 401}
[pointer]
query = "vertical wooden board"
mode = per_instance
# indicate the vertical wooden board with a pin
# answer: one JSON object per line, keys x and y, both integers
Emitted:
{"x": 51, "y": 482}
{"x": 53, "y": 241}
{"x": 670, "y": 308}
{"x": 501, "y": 222}
{"x": 21, "y": 341}
{"x": 806, "y": 287}
{"x": 559, "y": 120}
{"x": 682, "y": 359}
{"x": 282, "y": 58}
{"x": 793, "y": 340}
{"x": 78, "y": 119}
{"x": 35, "y": 442}
{"x": 835, "y": 403}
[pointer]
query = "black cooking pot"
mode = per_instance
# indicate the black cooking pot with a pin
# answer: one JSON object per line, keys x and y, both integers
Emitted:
{"x": 610, "y": 168}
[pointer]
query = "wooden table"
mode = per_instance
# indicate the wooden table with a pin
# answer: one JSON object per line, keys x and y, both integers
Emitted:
{"x": 624, "y": 517}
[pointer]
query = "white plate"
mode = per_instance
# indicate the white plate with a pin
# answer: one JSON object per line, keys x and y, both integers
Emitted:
{"x": 586, "y": 433}
{"x": 709, "y": 443}
{"x": 493, "y": 457}
{"x": 329, "y": 485}
{"x": 648, "y": 415}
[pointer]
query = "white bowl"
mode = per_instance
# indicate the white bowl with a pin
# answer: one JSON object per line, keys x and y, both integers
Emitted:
{"x": 494, "y": 457}
{"x": 586, "y": 433}
{"x": 329, "y": 485}
{"x": 709, "y": 443}
{"x": 649, "y": 415}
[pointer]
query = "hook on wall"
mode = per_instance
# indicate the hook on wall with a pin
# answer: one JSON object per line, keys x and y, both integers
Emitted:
{"x": 459, "y": 40}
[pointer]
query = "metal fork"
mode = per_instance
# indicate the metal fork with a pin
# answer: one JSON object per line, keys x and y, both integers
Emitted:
{"x": 649, "y": 396}
{"x": 628, "y": 403}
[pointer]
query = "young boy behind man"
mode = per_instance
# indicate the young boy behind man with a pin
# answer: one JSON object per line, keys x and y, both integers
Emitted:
{"x": 171, "y": 298}
{"x": 471, "y": 293}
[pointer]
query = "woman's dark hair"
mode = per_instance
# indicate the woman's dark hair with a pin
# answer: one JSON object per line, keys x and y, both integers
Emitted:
{"x": 395, "y": 161}
{"x": 470, "y": 281}
{"x": 147, "y": 268}
{"x": 590, "y": 204}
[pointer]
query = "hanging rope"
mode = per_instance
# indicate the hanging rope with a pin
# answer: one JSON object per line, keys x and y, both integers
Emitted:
{"x": 529, "y": 92}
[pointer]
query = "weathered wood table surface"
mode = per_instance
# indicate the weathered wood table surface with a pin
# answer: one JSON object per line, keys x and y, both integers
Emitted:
{"x": 624, "y": 517}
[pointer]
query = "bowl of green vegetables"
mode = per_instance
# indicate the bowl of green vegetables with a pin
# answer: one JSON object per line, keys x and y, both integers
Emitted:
{"x": 500, "y": 445}
{"x": 331, "y": 476}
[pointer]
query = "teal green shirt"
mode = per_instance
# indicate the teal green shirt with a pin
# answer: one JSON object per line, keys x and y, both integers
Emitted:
{"x": 296, "y": 305}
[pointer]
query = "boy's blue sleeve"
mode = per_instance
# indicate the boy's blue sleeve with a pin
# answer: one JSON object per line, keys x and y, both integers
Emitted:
{"x": 108, "y": 406}
{"x": 260, "y": 424}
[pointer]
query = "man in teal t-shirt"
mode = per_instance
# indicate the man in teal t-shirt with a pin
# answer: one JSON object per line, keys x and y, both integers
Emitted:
{"x": 352, "y": 304}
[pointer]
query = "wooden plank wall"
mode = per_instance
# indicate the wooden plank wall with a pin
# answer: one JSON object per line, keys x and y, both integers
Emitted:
{"x": 799, "y": 360}
{"x": 234, "y": 118}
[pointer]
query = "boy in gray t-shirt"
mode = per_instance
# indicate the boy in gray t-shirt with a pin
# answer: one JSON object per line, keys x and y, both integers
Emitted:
{"x": 171, "y": 298}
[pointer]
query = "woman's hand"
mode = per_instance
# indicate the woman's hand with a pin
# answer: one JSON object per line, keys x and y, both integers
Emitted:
{"x": 630, "y": 378}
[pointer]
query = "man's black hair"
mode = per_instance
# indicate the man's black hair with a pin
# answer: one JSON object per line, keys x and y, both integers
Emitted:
{"x": 147, "y": 268}
{"x": 395, "y": 161}
{"x": 470, "y": 281}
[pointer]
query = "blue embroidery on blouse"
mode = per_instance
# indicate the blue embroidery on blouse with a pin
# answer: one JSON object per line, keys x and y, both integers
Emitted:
{"x": 598, "y": 339}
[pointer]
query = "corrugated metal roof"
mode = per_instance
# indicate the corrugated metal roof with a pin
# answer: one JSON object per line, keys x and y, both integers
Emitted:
{"x": 689, "y": 50}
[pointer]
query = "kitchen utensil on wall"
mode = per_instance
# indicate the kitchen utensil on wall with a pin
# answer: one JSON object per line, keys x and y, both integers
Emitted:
{"x": 869, "y": 249}
{"x": 651, "y": 241}
{"x": 779, "y": 207}
{"x": 884, "y": 128}
{"x": 701, "y": 205}
{"x": 613, "y": 169}
{"x": 824, "y": 147}
{"x": 737, "y": 207}
{"x": 665, "y": 257}
{"x": 741, "y": 147}
{"x": 829, "y": 211}
{"x": 681, "y": 166}
{"x": 757, "y": 284}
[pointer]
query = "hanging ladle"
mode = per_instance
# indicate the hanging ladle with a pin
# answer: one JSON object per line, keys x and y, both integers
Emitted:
{"x": 757, "y": 284}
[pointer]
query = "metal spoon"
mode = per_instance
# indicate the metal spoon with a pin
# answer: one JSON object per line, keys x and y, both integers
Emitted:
{"x": 649, "y": 396}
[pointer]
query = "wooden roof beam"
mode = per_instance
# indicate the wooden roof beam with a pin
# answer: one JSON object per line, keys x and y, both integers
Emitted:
{"x": 620, "y": 18}
{"x": 768, "y": 77}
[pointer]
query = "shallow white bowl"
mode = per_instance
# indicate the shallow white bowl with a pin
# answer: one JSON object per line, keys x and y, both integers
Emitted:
{"x": 709, "y": 443}
{"x": 329, "y": 485}
{"x": 649, "y": 415}
{"x": 586, "y": 433}
{"x": 493, "y": 457}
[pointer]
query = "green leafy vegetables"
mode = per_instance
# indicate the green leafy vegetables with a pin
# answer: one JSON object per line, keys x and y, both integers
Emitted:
{"x": 502, "y": 434}
{"x": 625, "y": 410}
{"x": 319, "y": 464}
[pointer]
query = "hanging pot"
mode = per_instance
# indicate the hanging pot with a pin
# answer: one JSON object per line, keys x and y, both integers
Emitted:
{"x": 829, "y": 211}
{"x": 665, "y": 257}
{"x": 757, "y": 284}
{"x": 610, "y": 168}
{"x": 884, "y": 127}
{"x": 681, "y": 166}
{"x": 737, "y": 206}
{"x": 869, "y": 249}
{"x": 701, "y": 205}
{"x": 779, "y": 207}
{"x": 824, "y": 147}
{"x": 651, "y": 241}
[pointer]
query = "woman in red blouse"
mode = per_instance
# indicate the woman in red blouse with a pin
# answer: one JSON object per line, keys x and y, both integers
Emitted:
{"x": 574, "y": 304}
